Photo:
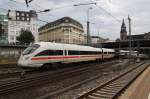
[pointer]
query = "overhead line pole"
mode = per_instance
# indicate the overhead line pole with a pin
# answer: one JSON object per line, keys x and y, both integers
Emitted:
{"x": 88, "y": 22}
{"x": 88, "y": 28}
{"x": 129, "y": 37}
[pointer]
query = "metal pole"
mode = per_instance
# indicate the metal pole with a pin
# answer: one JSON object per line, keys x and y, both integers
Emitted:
{"x": 88, "y": 27}
{"x": 129, "y": 37}
{"x": 138, "y": 47}
{"x": 119, "y": 50}
{"x": 88, "y": 34}
{"x": 102, "y": 52}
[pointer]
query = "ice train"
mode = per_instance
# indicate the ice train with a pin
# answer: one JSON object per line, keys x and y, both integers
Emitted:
{"x": 45, "y": 53}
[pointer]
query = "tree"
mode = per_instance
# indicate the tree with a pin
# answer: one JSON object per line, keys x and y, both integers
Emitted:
{"x": 25, "y": 37}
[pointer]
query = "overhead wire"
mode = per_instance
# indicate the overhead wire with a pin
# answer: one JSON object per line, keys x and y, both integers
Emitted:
{"x": 22, "y": 3}
{"x": 34, "y": 9}
{"x": 68, "y": 6}
{"x": 108, "y": 13}
{"x": 99, "y": 7}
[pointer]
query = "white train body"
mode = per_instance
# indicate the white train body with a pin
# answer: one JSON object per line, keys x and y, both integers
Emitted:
{"x": 43, "y": 53}
{"x": 126, "y": 53}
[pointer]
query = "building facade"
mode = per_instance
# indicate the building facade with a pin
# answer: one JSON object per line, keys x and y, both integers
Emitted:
{"x": 97, "y": 39}
{"x": 123, "y": 32}
{"x": 145, "y": 36}
{"x": 3, "y": 29}
{"x": 21, "y": 20}
{"x": 64, "y": 30}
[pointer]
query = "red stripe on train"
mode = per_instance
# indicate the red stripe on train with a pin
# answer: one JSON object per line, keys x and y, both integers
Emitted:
{"x": 54, "y": 57}
{"x": 61, "y": 57}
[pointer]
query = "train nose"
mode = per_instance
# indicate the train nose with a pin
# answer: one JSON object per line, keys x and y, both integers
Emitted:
{"x": 22, "y": 61}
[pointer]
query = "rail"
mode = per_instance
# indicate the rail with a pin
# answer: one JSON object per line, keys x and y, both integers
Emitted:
{"x": 114, "y": 87}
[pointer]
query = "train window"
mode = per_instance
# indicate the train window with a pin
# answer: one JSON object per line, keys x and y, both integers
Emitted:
{"x": 73, "y": 52}
{"x": 83, "y": 53}
{"x": 50, "y": 53}
{"x": 89, "y": 53}
{"x": 99, "y": 52}
{"x": 112, "y": 52}
{"x": 105, "y": 52}
{"x": 31, "y": 49}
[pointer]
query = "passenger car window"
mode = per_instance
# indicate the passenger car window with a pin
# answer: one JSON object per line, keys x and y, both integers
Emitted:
{"x": 50, "y": 53}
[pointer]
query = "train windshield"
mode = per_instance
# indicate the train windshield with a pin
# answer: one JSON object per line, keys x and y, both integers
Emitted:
{"x": 30, "y": 49}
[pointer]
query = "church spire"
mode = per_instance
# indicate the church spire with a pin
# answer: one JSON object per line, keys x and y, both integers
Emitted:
{"x": 123, "y": 32}
{"x": 123, "y": 24}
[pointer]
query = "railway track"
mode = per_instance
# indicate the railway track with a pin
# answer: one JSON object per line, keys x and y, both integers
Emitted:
{"x": 8, "y": 71}
{"x": 31, "y": 82}
{"x": 15, "y": 73}
{"x": 42, "y": 78}
{"x": 114, "y": 87}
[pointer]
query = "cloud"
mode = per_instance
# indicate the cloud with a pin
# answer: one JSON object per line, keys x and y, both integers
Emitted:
{"x": 109, "y": 18}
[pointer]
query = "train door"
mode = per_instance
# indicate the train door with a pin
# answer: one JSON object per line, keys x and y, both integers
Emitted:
{"x": 102, "y": 54}
{"x": 65, "y": 55}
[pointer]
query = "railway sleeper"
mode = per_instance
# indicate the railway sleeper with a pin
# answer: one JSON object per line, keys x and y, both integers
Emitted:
{"x": 108, "y": 90}
{"x": 93, "y": 97}
{"x": 111, "y": 88}
{"x": 120, "y": 82}
{"x": 102, "y": 95}
{"x": 126, "y": 79}
{"x": 114, "y": 87}
{"x": 102, "y": 92}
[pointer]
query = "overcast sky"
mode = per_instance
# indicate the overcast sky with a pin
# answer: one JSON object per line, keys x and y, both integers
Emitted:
{"x": 106, "y": 17}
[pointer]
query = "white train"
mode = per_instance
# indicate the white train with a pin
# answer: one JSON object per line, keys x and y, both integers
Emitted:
{"x": 46, "y": 53}
{"x": 126, "y": 53}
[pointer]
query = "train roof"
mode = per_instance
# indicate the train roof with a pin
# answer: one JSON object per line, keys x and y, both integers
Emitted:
{"x": 62, "y": 46}
{"x": 126, "y": 51}
{"x": 108, "y": 50}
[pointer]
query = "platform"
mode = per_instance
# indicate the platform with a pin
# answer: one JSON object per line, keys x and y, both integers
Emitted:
{"x": 140, "y": 88}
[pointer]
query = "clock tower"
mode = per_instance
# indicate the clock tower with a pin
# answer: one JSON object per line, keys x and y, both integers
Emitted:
{"x": 123, "y": 32}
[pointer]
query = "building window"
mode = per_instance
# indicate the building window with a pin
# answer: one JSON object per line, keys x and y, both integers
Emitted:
{"x": 66, "y": 20}
{"x": 22, "y": 18}
{"x": 11, "y": 37}
{"x": 27, "y": 15}
{"x": 22, "y": 14}
{"x": 28, "y": 28}
{"x": 18, "y": 18}
{"x": 27, "y": 19}
{"x": 17, "y": 14}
